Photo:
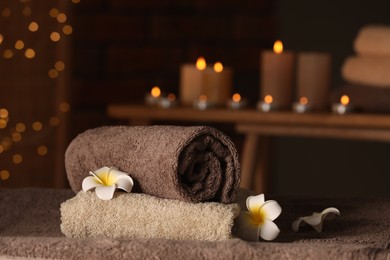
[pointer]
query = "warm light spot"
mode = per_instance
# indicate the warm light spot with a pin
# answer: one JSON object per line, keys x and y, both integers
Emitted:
{"x": 218, "y": 67}
{"x": 53, "y": 73}
{"x": 155, "y": 92}
{"x": 344, "y": 100}
{"x": 6, "y": 143}
{"x": 171, "y": 97}
{"x": 1, "y": 38}
{"x": 1, "y": 149}
{"x": 53, "y": 12}
{"x": 303, "y": 100}
{"x": 16, "y": 137}
{"x": 3, "y": 113}
{"x": 26, "y": 11}
{"x": 59, "y": 65}
{"x": 29, "y": 53}
{"x": 42, "y": 150}
{"x": 278, "y": 47}
{"x": 203, "y": 98}
{"x": 8, "y": 54}
{"x": 19, "y": 44}
{"x": 64, "y": 107}
{"x": 236, "y": 97}
{"x": 20, "y": 127}
{"x": 54, "y": 121}
{"x": 67, "y": 29}
{"x": 6, "y": 12}
{"x": 4, "y": 175}
{"x": 17, "y": 158}
{"x": 55, "y": 36}
{"x": 3, "y": 123}
{"x": 201, "y": 63}
{"x": 268, "y": 99}
{"x": 33, "y": 26}
{"x": 75, "y": 1}
{"x": 61, "y": 18}
{"x": 37, "y": 126}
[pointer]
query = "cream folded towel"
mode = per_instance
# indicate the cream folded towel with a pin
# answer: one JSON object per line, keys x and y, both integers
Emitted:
{"x": 373, "y": 71}
{"x": 373, "y": 40}
{"x": 132, "y": 215}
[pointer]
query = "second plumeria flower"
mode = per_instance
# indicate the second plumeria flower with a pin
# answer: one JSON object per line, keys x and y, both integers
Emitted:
{"x": 106, "y": 180}
{"x": 257, "y": 222}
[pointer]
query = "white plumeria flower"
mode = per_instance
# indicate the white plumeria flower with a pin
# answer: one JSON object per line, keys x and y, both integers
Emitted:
{"x": 316, "y": 219}
{"x": 258, "y": 220}
{"x": 105, "y": 180}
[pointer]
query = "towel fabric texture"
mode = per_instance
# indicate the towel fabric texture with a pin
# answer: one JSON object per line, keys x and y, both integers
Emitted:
{"x": 30, "y": 228}
{"x": 367, "y": 70}
{"x": 373, "y": 40}
{"x": 192, "y": 164}
{"x": 130, "y": 215}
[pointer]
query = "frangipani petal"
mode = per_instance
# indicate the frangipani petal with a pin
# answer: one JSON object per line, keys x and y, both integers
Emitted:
{"x": 102, "y": 171}
{"x": 246, "y": 228}
{"x": 316, "y": 219}
{"x": 269, "y": 230}
{"x": 253, "y": 203}
{"x": 90, "y": 182}
{"x": 124, "y": 182}
{"x": 270, "y": 210}
{"x": 105, "y": 192}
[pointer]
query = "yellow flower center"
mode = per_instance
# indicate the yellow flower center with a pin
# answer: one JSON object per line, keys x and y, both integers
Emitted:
{"x": 106, "y": 178}
{"x": 259, "y": 217}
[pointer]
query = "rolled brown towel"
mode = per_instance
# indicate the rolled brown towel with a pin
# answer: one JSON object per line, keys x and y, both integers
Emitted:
{"x": 373, "y": 40}
{"x": 192, "y": 164}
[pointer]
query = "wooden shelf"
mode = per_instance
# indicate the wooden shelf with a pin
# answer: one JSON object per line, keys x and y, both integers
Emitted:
{"x": 258, "y": 127}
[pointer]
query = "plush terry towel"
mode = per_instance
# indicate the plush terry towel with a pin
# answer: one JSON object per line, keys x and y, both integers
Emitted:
{"x": 373, "y": 40}
{"x": 185, "y": 163}
{"x": 131, "y": 215}
{"x": 367, "y": 70}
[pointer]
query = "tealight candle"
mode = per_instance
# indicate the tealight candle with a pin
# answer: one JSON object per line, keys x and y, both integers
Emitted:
{"x": 237, "y": 102}
{"x": 266, "y": 105}
{"x": 343, "y": 107}
{"x": 302, "y": 106}
{"x": 202, "y": 103}
{"x": 168, "y": 101}
{"x": 153, "y": 97}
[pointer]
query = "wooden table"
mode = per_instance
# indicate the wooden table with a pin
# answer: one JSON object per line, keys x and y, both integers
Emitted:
{"x": 258, "y": 127}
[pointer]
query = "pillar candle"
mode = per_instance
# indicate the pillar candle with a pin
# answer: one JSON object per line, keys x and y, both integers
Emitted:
{"x": 192, "y": 81}
{"x": 313, "y": 78}
{"x": 218, "y": 84}
{"x": 277, "y": 73}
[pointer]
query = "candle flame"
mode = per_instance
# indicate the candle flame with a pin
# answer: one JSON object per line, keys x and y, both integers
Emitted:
{"x": 218, "y": 67}
{"x": 156, "y": 92}
{"x": 278, "y": 47}
{"x": 303, "y": 100}
{"x": 201, "y": 63}
{"x": 268, "y": 99}
{"x": 344, "y": 100}
{"x": 171, "y": 97}
{"x": 203, "y": 98}
{"x": 236, "y": 97}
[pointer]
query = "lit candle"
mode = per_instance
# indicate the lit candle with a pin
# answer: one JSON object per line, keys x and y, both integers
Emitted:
{"x": 237, "y": 102}
{"x": 266, "y": 105}
{"x": 343, "y": 107}
{"x": 192, "y": 80}
{"x": 313, "y": 78}
{"x": 153, "y": 97}
{"x": 302, "y": 106}
{"x": 218, "y": 84}
{"x": 202, "y": 103}
{"x": 277, "y": 69}
{"x": 168, "y": 101}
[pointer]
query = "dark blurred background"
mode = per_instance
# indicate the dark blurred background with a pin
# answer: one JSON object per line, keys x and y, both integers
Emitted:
{"x": 119, "y": 49}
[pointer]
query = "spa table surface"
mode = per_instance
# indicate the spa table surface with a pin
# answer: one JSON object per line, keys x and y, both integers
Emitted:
{"x": 258, "y": 127}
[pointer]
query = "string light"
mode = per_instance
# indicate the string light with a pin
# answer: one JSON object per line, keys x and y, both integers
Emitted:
{"x": 17, "y": 158}
{"x": 19, "y": 44}
{"x": 26, "y": 11}
{"x": 37, "y": 126}
{"x": 53, "y": 73}
{"x": 20, "y": 127}
{"x": 67, "y": 29}
{"x": 61, "y": 18}
{"x": 59, "y": 66}
{"x": 33, "y": 26}
{"x": 16, "y": 137}
{"x": 54, "y": 121}
{"x": 6, "y": 12}
{"x": 4, "y": 175}
{"x": 1, "y": 38}
{"x": 53, "y": 12}
{"x": 8, "y": 54}
{"x": 42, "y": 150}
{"x": 29, "y": 53}
{"x": 55, "y": 36}
{"x": 64, "y": 107}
